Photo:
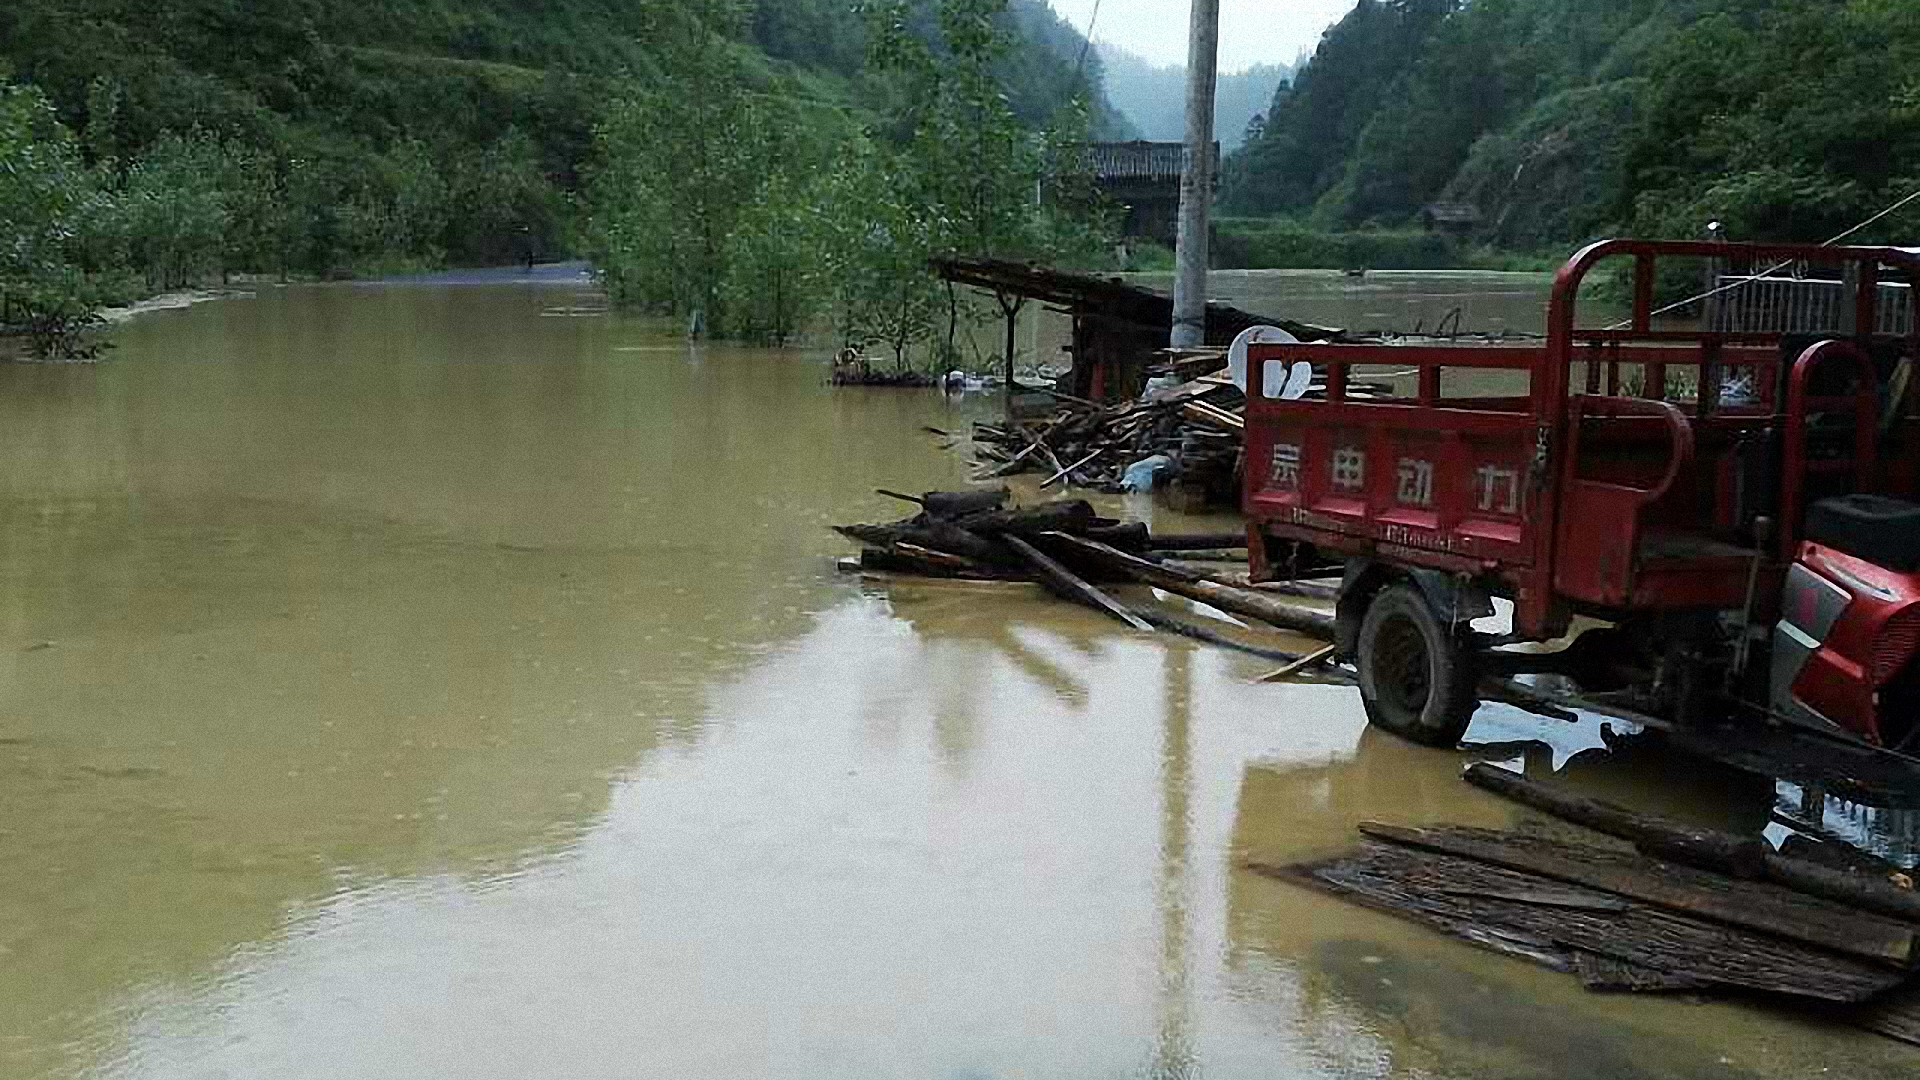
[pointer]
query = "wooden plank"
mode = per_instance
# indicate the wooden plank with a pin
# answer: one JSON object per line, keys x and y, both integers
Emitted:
{"x": 1510, "y": 942}
{"x": 1750, "y": 905}
{"x": 1547, "y": 894}
{"x": 1310, "y": 660}
{"x": 1069, "y": 470}
{"x": 1417, "y": 884}
{"x": 1606, "y": 975}
{"x": 1071, "y": 585}
{"x": 1206, "y": 414}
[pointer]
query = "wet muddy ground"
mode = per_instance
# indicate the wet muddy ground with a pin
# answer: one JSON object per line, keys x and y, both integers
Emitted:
{"x": 456, "y": 681}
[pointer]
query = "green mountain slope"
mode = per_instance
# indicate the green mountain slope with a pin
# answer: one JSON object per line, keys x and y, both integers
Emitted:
{"x": 1560, "y": 119}
{"x": 418, "y": 131}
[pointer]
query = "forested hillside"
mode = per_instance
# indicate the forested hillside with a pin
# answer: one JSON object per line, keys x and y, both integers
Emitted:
{"x": 1154, "y": 99}
{"x": 1563, "y": 119}
{"x": 147, "y": 145}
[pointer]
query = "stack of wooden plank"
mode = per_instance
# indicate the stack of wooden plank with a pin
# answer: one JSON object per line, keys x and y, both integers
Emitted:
{"x": 1685, "y": 909}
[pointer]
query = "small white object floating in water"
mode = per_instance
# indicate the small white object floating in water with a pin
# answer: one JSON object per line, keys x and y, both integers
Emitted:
{"x": 1283, "y": 381}
{"x": 959, "y": 382}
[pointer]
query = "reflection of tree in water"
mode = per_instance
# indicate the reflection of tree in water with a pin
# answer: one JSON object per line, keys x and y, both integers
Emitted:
{"x": 968, "y": 627}
{"x": 964, "y": 628}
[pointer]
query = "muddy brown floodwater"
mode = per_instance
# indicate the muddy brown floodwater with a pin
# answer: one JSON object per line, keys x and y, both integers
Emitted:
{"x": 455, "y": 682}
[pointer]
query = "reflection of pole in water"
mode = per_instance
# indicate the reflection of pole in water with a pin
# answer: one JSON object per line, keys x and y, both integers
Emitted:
{"x": 1173, "y": 1055}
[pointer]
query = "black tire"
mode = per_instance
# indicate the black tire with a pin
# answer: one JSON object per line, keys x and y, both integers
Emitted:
{"x": 1417, "y": 677}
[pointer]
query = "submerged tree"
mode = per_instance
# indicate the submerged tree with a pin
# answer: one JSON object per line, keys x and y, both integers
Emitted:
{"x": 984, "y": 176}
{"x": 876, "y": 232}
{"x": 729, "y": 196}
{"x": 52, "y": 208}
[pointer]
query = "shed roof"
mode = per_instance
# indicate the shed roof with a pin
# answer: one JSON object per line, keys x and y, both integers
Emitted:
{"x": 1138, "y": 160}
{"x": 1110, "y": 297}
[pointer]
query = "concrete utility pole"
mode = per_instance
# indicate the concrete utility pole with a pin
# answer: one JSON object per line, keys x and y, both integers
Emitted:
{"x": 1196, "y": 181}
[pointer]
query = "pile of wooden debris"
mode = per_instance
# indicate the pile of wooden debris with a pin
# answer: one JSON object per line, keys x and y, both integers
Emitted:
{"x": 1196, "y": 429}
{"x": 1683, "y": 909}
{"x": 1072, "y": 551}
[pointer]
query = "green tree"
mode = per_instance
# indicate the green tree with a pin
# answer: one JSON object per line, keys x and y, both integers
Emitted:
{"x": 875, "y": 231}
{"x": 55, "y": 214}
{"x": 982, "y": 173}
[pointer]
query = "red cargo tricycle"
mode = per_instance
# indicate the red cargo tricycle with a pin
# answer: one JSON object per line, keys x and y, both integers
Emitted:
{"x": 1693, "y": 520}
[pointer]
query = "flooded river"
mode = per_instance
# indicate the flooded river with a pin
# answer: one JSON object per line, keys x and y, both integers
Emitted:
{"x": 455, "y": 681}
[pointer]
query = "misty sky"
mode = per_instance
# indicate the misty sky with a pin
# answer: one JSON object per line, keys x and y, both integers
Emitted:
{"x": 1251, "y": 31}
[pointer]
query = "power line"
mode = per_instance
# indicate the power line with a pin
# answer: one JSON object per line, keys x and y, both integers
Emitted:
{"x": 1086, "y": 46}
{"x": 1771, "y": 270}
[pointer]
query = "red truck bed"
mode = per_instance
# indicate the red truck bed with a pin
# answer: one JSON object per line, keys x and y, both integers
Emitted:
{"x": 1637, "y": 491}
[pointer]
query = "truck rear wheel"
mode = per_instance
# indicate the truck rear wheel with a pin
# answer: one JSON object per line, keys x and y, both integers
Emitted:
{"x": 1417, "y": 676}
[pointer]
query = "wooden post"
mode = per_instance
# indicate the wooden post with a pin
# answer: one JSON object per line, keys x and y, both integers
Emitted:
{"x": 1196, "y": 179}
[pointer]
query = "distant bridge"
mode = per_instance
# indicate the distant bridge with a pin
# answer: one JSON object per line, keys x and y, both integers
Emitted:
{"x": 1145, "y": 178}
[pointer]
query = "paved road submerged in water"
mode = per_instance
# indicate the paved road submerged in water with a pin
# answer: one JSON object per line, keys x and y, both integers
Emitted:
{"x": 455, "y": 682}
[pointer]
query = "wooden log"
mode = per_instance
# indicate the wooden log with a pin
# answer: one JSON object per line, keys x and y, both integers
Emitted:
{"x": 1198, "y": 541}
{"x": 1458, "y": 895}
{"x": 899, "y": 562}
{"x": 941, "y": 558}
{"x": 1750, "y": 905}
{"x": 953, "y": 505}
{"x": 939, "y": 536}
{"x": 1071, "y": 586}
{"x": 1863, "y": 891}
{"x": 1736, "y": 856}
{"x": 1519, "y": 696}
{"x": 1306, "y": 590}
{"x": 1245, "y": 602}
{"x": 1070, "y": 516}
{"x": 1127, "y": 536}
